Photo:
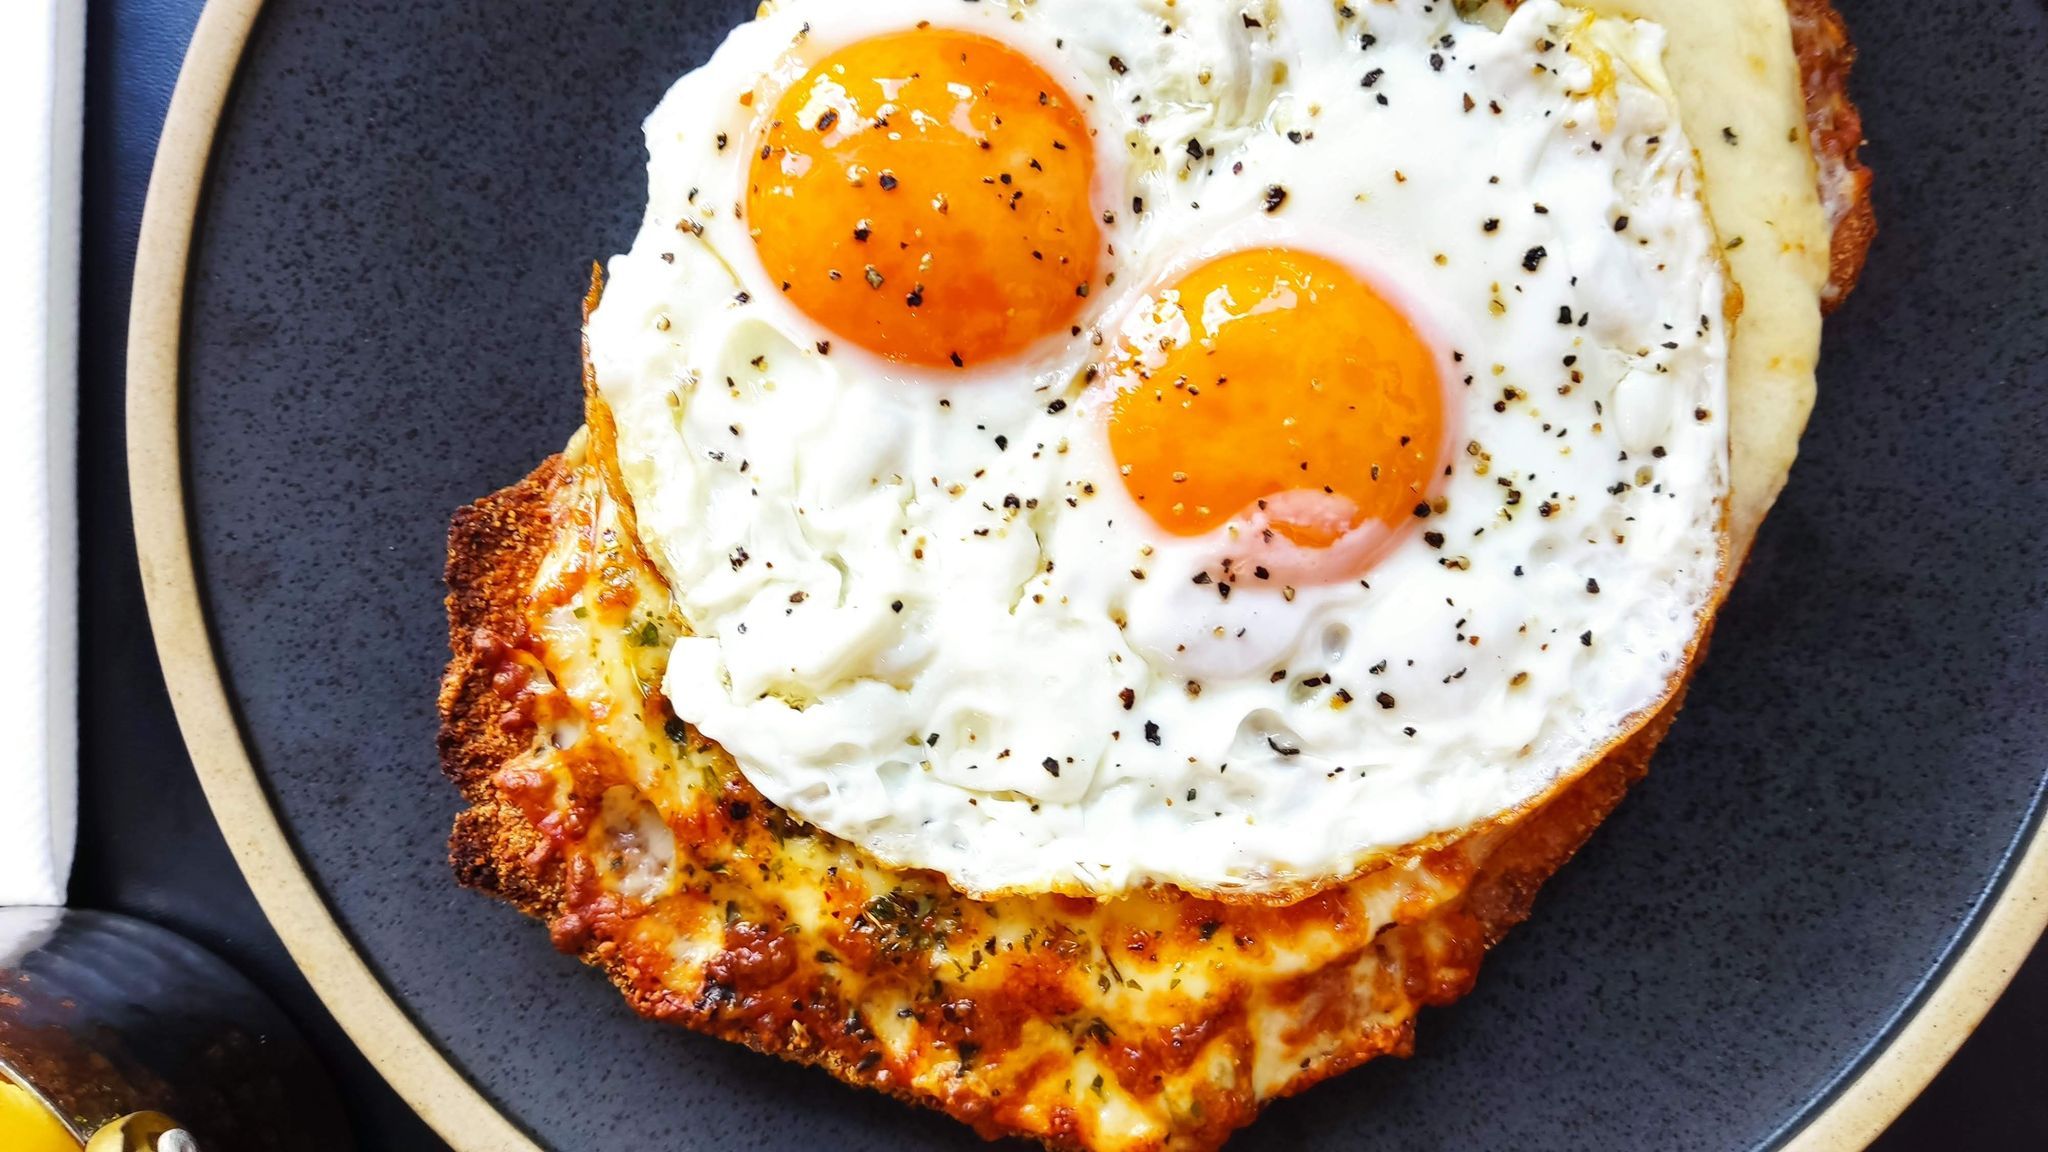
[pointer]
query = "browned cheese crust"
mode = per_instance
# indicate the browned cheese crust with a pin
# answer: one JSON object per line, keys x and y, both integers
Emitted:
{"x": 1156, "y": 1020}
{"x": 1821, "y": 40}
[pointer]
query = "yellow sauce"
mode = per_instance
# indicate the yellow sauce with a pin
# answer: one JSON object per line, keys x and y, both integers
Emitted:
{"x": 27, "y": 1126}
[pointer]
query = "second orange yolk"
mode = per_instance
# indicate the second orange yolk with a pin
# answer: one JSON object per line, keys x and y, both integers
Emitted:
{"x": 1299, "y": 394}
{"x": 928, "y": 195}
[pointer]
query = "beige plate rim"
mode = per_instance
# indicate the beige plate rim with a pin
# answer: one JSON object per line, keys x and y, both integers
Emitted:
{"x": 1861, "y": 1108}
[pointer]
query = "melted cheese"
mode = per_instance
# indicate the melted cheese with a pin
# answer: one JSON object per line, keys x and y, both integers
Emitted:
{"x": 1155, "y": 1020}
{"x": 1732, "y": 68}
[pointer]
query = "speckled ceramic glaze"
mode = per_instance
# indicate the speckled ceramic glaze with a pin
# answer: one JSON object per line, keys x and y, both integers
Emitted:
{"x": 402, "y": 209}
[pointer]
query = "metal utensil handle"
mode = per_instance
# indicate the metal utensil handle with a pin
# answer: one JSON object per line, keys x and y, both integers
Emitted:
{"x": 143, "y": 1132}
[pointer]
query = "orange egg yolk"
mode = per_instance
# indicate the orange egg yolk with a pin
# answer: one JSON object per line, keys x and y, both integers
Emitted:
{"x": 1300, "y": 400}
{"x": 928, "y": 195}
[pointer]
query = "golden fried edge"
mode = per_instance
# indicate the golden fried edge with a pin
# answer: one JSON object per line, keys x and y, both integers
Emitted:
{"x": 496, "y": 544}
{"x": 1821, "y": 41}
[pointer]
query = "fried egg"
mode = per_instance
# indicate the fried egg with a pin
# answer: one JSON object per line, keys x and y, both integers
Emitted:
{"x": 1095, "y": 444}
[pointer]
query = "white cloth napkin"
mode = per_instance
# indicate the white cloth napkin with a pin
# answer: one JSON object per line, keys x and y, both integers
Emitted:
{"x": 42, "y": 103}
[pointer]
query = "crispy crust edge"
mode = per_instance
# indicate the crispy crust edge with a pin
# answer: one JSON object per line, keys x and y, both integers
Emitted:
{"x": 495, "y": 547}
{"x": 1820, "y": 38}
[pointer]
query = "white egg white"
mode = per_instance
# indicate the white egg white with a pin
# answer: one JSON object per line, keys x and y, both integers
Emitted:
{"x": 928, "y": 619}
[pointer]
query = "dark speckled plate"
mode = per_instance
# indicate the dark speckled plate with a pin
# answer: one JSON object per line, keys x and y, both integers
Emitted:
{"x": 380, "y": 325}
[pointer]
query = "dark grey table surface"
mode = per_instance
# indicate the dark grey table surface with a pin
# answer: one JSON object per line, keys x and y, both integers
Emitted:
{"x": 148, "y": 844}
